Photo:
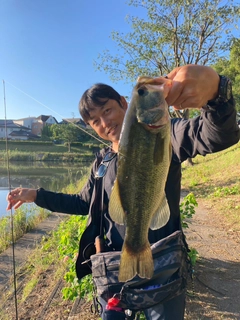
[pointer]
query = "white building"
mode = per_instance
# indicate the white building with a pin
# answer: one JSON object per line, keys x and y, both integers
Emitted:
{"x": 36, "y": 124}
{"x": 13, "y": 130}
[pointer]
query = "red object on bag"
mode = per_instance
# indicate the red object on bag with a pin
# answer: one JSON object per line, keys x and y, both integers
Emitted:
{"x": 112, "y": 304}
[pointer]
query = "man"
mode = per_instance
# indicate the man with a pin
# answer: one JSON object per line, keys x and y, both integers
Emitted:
{"x": 104, "y": 109}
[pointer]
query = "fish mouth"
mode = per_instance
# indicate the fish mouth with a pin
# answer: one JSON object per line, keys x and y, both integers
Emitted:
{"x": 152, "y": 126}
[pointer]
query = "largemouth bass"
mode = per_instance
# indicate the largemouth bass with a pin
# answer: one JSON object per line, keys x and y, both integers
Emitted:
{"x": 138, "y": 197}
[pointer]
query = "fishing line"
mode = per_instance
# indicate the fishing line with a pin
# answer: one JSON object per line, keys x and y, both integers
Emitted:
{"x": 11, "y": 214}
{"x": 103, "y": 142}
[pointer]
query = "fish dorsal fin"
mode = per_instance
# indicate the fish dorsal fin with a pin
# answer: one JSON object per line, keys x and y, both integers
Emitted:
{"x": 161, "y": 216}
{"x": 116, "y": 210}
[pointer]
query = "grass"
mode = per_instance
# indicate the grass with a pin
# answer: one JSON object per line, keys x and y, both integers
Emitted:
{"x": 17, "y": 155}
{"x": 23, "y": 220}
{"x": 46, "y": 151}
{"x": 36, "y": 146}
{"x": 215, "y": 180}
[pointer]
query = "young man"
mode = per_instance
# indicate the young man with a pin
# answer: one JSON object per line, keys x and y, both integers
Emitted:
{"x": 104, "y": 109}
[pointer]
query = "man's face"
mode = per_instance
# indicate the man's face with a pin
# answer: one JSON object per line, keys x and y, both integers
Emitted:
{"x": 107, "y": 120}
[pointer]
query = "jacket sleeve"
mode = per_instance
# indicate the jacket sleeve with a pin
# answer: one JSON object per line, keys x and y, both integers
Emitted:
{"x": 214, "y": 130}
{"x": 67, "y": 203}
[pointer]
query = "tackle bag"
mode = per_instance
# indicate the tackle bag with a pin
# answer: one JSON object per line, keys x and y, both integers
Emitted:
{"x": 171, "y": 267}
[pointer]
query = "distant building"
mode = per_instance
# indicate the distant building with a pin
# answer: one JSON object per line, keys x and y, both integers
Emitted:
{"x": 36, "y": 124}
{"x": 31, "y": 127}
{"x": 22, "y": 135}
{"x": 26, "y": 122}
{"x": 77, "y": 121}
{"x": 15, "y": 131}
{"x": 42, "y": 121}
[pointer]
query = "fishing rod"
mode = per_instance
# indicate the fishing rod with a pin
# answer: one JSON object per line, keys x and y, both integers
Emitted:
{"x": 11, "y": 212}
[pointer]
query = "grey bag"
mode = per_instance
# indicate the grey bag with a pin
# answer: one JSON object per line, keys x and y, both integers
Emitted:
{"x": 171, "y": 267}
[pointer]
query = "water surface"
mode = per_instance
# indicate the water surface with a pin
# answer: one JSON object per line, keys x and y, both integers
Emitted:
{"x": 48, "y": 175}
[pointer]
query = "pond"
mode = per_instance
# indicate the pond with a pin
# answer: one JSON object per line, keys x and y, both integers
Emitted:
{"x": 48, "y": 175}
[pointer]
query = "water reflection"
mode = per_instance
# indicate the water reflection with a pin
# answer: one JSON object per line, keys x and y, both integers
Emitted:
{"x": 48, "y": 175}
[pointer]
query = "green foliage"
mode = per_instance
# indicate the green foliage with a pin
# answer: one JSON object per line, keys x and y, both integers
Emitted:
{"x": 193, "y": 255}
{"x": 65, "y": 132}
{"x": 81, "y": 151}
{"x": 225, "y": 191}
{"x": 71, "y": 134}
{"x": 46, "y": 133}
{"x": 230, "y": 67}
{"x": 5, "y": 236}
{"x": 187, "y": 208}
{"x": 170, "y": 33}
{"x": 69, "y": 234}
{"x": 12, "y": 144}
{"x": 82, "y": 289}
{"x": 24, "y": 219}
{"x": 193, "y": 113}
{"x": 17, "y": 155}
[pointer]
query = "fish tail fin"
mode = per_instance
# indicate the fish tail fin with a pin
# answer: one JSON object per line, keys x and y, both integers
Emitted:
{"x": 136, "y": 263}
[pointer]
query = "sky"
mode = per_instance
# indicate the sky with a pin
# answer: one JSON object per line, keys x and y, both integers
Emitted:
{"x": 47, "y": 49}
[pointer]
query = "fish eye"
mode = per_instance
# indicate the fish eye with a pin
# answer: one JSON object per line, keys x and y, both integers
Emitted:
{"x": 141, "y": 91}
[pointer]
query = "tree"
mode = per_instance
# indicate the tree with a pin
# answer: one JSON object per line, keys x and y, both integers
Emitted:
{"x": 46, "y": 133}
{"x": 66, "y": 132}
{"x": 231, "y": 68}
{"x": 174, "y": 33}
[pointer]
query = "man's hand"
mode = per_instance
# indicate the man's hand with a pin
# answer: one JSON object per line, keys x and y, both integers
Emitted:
{"x": 19, "y": 196}
{"x": 193, "y": 86}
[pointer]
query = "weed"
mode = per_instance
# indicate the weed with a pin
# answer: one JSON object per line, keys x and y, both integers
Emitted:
{"x": 225, "y": 191}
{"x": 187, "y": 208}
{"x": 28, "y": 288}
{"x": 193, "y": 255}
{"x": 23, "y": 220}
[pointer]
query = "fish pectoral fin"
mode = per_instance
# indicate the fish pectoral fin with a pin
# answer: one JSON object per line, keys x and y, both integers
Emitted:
{"x": 116, "y": 210}
{"x": 161, "y": 216}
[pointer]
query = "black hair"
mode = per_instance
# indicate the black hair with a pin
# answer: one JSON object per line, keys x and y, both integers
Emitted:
{"x": 96, "y": 96}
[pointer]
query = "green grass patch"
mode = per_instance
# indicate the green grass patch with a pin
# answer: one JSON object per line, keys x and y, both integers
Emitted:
{"x": 23, "y": 220}
{"x": 63, "y": 156}
{"x": 47, "y": 151}
{"x": 215, "y": 179}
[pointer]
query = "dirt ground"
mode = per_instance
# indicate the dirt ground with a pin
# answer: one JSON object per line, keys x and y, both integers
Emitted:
{"x": 216, "y": 279}
{"x": 217, "y": 272}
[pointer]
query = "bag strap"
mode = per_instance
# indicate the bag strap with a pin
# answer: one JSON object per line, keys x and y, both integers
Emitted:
{"x": 99, "y": 240}
{"x": 101, "y": 207}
